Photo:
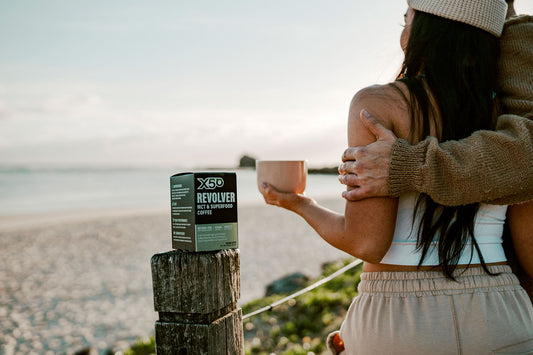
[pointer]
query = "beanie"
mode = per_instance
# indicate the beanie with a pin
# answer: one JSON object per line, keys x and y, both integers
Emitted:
{"x": 488, "y": 15}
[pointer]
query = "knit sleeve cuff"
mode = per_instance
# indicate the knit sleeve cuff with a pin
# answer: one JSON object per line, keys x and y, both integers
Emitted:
{"x": 407, "y": 162}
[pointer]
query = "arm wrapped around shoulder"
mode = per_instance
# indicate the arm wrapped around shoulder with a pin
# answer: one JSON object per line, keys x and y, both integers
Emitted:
{"x": 488, "y": 166}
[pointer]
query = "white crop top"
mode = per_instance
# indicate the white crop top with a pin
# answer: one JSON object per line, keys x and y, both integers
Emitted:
{"x": 488, "y": 230}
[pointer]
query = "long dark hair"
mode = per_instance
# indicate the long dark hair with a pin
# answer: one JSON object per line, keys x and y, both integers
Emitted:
{"x": 458, "y": 64}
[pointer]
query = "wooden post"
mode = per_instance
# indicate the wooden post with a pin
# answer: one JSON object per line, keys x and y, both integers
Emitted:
{"x": 196, "y": 296}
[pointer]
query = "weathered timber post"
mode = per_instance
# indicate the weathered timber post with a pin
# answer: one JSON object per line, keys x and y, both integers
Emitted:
{"x": 196, "y": 296}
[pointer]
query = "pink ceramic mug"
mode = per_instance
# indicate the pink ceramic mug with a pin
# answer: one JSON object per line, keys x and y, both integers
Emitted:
{"x": 284, "y": 175}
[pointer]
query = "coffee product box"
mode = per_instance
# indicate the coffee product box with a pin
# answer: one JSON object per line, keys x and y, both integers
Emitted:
{"x": 204, "y": 211}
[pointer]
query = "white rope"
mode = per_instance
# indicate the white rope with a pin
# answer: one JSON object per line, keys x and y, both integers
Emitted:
{"x": 307, "y": 289}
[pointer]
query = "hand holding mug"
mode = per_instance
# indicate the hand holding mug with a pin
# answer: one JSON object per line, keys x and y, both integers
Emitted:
{"x": 282, "y": 182}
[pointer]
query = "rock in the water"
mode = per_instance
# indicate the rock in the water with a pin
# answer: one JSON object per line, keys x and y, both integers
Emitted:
{"x": 247, "y": 162}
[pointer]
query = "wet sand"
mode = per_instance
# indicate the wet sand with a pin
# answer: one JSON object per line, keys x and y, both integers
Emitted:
{"x": 76, "y": 280}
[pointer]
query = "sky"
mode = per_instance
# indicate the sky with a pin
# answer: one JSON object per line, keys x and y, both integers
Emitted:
{"x": 188, "y": 83}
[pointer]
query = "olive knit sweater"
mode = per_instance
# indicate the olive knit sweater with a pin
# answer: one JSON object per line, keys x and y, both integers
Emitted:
{"x": 489, "y": 166}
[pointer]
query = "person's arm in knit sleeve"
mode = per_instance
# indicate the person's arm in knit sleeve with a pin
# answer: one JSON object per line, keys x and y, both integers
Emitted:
{"x": 488, "y": 166}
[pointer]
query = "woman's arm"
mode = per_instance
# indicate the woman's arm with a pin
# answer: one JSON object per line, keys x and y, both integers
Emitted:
{"x": 367, "y": 227}
{"x": 520, "y": 219}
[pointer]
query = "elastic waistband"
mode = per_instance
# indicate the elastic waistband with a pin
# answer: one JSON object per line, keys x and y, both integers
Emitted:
{"x": 435, "y": 282}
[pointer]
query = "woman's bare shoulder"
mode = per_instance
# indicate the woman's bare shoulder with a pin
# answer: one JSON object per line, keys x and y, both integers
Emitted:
{"x": 392, "y": 90}
{"x": 388, "y": 103}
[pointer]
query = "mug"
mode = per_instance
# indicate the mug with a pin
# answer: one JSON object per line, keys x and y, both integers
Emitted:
{"x": 284, "y": 175}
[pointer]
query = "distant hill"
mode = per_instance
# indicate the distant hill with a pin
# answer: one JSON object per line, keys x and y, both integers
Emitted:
{"x": 332, "y": 170}
{"x": 247, "y": 161}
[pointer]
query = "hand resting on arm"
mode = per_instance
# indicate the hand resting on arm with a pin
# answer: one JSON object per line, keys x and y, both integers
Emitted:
{"x": 488, "y": 166}
{"x": 365, "y": 169}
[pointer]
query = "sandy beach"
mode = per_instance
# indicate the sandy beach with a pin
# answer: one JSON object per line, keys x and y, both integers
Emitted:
{"x": 76, "y": 280}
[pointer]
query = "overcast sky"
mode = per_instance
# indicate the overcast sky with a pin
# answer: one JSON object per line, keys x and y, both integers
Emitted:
{"x": 188, "y": 83}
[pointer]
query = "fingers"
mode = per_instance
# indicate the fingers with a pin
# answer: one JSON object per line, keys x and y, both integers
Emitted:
{"x": 269, "y": 193}
{"x": 287, "y": 200}
{"x": 356, "y": 191}
{"x": 361, "y": 188}
{"x": 273, "y": 196}
{"x": 355, "y": 166}
{"x": 350, "y": 154}
{"x": 349, "y": 180}
{"x": 356, "y": 194}
{"x": 375, "y": 127}
{"x": 347, "y": 168}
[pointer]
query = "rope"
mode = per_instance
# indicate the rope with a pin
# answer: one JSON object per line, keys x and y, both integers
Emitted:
{"x": 307, "y": 289}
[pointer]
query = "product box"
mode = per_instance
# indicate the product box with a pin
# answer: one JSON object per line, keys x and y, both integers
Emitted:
{"x": 204, "y": 211}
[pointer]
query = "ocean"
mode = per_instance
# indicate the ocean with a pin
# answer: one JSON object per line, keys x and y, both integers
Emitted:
{"x": 55, "y": 190}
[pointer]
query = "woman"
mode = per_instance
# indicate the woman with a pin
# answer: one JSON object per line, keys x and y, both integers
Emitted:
{"x": 435, "y": 278}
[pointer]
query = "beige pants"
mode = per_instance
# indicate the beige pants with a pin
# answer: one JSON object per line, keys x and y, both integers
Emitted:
{"x": 425, "y": 313}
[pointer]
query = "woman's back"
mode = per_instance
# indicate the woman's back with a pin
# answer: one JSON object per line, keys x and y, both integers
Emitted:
{"x": 391, "y": 103}
{"x": 488, "y": 231}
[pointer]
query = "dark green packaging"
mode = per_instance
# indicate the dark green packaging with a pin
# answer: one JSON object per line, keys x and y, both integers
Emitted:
{"x": 204, "y": 211}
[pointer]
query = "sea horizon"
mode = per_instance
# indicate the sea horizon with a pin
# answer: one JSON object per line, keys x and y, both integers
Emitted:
{"x": 29, "y": 189}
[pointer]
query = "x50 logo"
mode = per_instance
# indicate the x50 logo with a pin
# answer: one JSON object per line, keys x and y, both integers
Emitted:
{"x": 210, "y": 183}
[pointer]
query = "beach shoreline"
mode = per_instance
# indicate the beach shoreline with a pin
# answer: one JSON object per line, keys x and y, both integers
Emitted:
{"x": 18, "y": 222}
{"x": 82, "y": 278}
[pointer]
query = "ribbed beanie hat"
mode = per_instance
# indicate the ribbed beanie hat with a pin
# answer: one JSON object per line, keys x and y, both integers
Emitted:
{"x": 489, "y": 15}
